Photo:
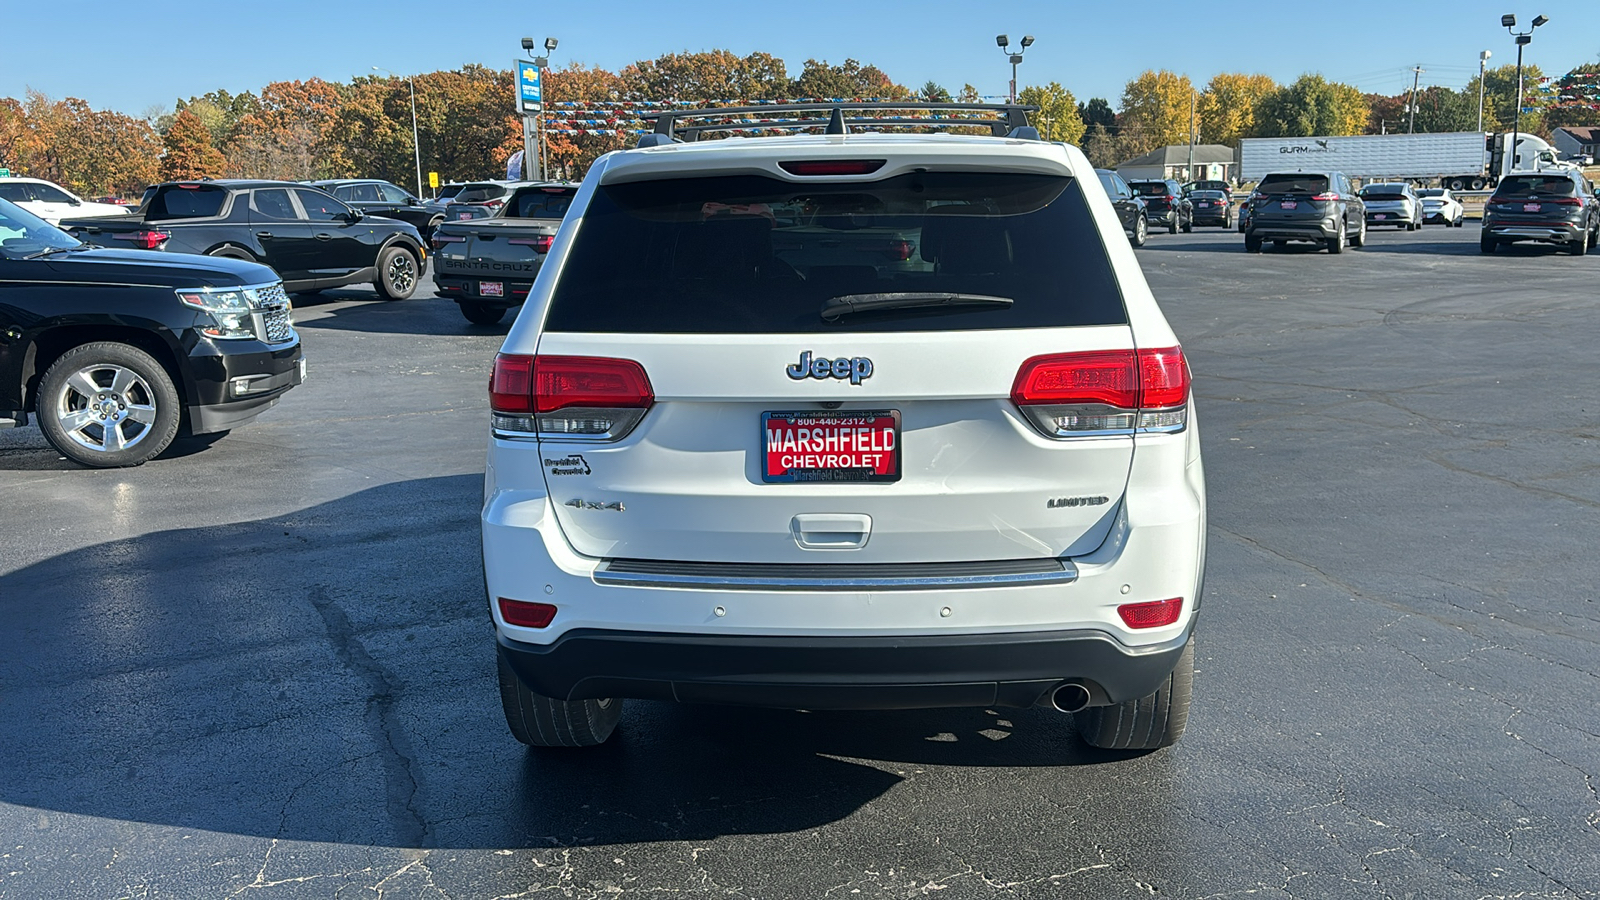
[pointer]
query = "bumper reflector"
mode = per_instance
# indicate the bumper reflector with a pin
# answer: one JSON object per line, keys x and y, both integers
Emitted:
{"x": 526, "y": 615}
{"x": 1153, "y": 614}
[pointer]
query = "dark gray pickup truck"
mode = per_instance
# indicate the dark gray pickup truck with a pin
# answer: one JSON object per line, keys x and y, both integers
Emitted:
{"x": 488, "y": 265}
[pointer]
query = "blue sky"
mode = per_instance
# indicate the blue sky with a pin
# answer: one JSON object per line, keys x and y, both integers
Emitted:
{"x": 134, "y": 56}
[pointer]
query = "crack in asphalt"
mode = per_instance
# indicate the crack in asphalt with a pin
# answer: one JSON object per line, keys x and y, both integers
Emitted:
{"x": 394, "y": 745}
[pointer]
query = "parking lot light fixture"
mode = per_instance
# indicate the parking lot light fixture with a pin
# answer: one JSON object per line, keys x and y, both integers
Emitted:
{"x": 1004, "y": 43}
{"x": 1523, "y": 39}
{"x": 416, "y": 148}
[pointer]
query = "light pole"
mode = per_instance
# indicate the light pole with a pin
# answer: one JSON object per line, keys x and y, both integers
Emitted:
{"x": 1524, "y": 38}
{"x": 416, "y": 149}
{"x": 1483, "y": 60}
{"x": 542, "y": 147}
{"x": 1004, "y": 44}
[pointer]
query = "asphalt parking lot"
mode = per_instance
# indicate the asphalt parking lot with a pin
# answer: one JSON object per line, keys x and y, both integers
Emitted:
{"x": 263, "y": 667}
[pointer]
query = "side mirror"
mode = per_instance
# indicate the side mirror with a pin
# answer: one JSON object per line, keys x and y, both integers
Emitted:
{"x": 354, "y": 215}
{"x": 74, "y": 201}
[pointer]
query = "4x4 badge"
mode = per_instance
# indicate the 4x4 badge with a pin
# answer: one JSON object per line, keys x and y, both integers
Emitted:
{"x": 857, "y": 369}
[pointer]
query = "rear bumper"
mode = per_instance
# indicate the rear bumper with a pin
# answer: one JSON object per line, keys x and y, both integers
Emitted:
{"x": 1292, "y": 231}
{"x": 1548, "y": 232}
{"x": 1390, "y": 218}
{"x": 459, "y": 288}
{"x": 910, "y": 672}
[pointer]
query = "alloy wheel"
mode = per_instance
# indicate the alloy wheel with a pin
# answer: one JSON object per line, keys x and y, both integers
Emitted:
{"x": 106, "y": 408}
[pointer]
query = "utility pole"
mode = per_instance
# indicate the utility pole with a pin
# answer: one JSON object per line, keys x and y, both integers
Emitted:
{"x": 1483, "y": 60}
{"x": 1191, "y": 132}
{"x": 1416, "y": 76}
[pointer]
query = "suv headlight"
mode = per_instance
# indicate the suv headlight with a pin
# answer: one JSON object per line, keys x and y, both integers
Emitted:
{"x": 230, "y": 311}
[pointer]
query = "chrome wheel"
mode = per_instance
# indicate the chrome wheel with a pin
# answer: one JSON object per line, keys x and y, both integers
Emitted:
{"x": 401, "y": 273}
{"x": 105, "y": 408}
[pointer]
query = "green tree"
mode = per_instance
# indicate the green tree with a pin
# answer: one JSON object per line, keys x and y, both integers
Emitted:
{"x": 1577, "y": 98}
{"x": 969, "y": 94}
{"x": 1097, "y": 112}
{"x": 1312, "y": 105}
{"x": 932, "y": 92}
{"x": 190, "y": 154}
{"x": 1227, "y": 107}
{"x": 1160, "y": 104}
{"x": 1057, "y": 118}
{"x": 1439, "y": 109}
{"x": 1500, "y": 91}
{"x": 850, "y": 80}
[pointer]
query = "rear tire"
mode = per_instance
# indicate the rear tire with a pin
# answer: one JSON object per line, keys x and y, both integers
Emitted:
{"x": 482, "y": 313}
{"x": 1172, "y": 225}
{"x": 1141, "y": 231}
{"x": 540, "y": 721}
{"x": 1360, "y": 238}
{"x": 1188, "y": 226}
{"x": 1148, "y": 723}
{"x": 1487, "y": 244}
{"x": 1336, "y": 243}
{"x": 108, "y": 405}
{"x": 1252, "y": 244}
{"x": 397, "y": 274}
{"x": 1580, "y": 246}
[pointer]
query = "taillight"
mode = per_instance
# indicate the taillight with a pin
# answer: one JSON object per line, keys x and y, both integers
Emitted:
{"x": 1102, "y": 392}
{"x": 901, "y": 250}
{"x": 573, "y": 397}
{"x": 1152, "y": 614}
{"x": 145, "y": 238}
{"x": 1324, "y": 197}
{"x": 1561, "y": 201}
{"x": 540, "y": 243}
{"x": 439, "y": 240}
{"x": 1170, "y": 199}
{"x": 495, "y": 204}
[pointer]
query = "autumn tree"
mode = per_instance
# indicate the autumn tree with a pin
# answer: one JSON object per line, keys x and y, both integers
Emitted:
{"x": 1312, "y": 105}
{"x": 190, "y": 155}
{"x": 969, "y": 94}
{"x": 709, "y": 75}
{"x": 286, "y": 136}
{"x": 1383, "y": 112}
{"x": 1159, "y": 103}
{"x": 1577, "y": 102}
{"x": 1500, "y": 103}
{"x": 850, "y": 80}
{"x": 578, "y": 135}
{"x": 13, "y": 130}
{"x": 1057, "y": 118}
{"x": 1227, "y": 107}
{"x": 90, "y": 151}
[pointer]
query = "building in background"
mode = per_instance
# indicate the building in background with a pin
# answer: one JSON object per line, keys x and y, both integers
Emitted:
{"x": 1212, "y": 162}
{"x": 1576, "y": 143}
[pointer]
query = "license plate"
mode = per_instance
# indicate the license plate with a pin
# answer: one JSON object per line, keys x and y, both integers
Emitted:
{"x": 463, "y": 216}
{"x": 1531, "y": 207}
{"x": 1380, "y": 216}
{"x": 1288, "y": 204}
{"x": 491, "y": 289}
{"x": 830, "y": 446}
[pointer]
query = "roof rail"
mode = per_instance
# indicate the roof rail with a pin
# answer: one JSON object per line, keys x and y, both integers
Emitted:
{"x": 830, "y": 116}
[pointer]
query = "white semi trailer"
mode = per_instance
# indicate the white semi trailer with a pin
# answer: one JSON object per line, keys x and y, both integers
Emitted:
{"x": 1459, "y": 160}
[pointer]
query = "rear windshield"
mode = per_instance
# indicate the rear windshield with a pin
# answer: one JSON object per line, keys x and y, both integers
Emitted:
{"x": 749, "y": 254}
{"x": 1535, "y": 186}
{"x": 1431, "y": 192}
{"x": 541, "y": 203}
{"x": 1383, "y": 192}
{"x": 1296, "y": 183}
{"x": 1208, "y": 195}
{"x": 1149, "y": 188}
{"x": 185, "y": 201}
{"x": 450, "y": 190}
{"x": 477, "y": 193}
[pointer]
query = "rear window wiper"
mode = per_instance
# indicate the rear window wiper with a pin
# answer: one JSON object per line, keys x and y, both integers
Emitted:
{"x": 51, "y": 251}
{"x": 846, "y": 304}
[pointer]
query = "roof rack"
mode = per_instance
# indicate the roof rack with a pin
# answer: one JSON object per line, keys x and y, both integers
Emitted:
{"x": 1013, "y": 124}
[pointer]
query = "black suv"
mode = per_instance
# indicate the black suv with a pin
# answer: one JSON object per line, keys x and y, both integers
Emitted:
{"x": 117, "y": 351}
{"x": 1130, "y": 207}
{"x": 314, "y": 241}
{"x": 1552, "y": 207}
{"x": 381, "y": 198}
{"x": 1166, "y": 204}
{"x": 1320, "y": 207}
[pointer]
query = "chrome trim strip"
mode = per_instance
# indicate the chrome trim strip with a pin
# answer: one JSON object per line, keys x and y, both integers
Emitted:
{"x": 1067, "y": 574}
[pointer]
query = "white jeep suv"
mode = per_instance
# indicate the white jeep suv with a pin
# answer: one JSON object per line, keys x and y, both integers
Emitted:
{"x": 844, "y": 421}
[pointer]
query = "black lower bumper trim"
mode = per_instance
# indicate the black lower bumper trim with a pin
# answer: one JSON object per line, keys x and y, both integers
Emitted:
{"x": 912, "y": 672}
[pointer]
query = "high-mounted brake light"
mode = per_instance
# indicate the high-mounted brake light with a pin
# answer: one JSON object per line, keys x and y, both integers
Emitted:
{"x": 832, "y": 166}
{"x": 570, "y": 397}
{"x": 1105, "y": 392}
{"x": 145, "y": 238}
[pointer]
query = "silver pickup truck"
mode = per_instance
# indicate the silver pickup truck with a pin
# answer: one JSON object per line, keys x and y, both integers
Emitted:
{"x": 487, "y": 265}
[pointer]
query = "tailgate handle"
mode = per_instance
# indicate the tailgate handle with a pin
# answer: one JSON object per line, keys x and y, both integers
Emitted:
{"x": 831, "y": 531}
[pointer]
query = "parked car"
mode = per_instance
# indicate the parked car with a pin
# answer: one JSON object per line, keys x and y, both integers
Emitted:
{"x": 1212, "y": 208}
{"x": 50, "y": 201}
{"x": 1130, "y": 206}
{"x": 487, "y": 265}
{"x": 1547, "y": 206}
{"x": 490, "y": 195}
{"x": 117, "y": 351}
{"x": 442, "y": 198}
{"x": 312, "y": 240}
{"x": 1210, "y": 185}
{"x": 1440, "y": 205}
{"x": 723, "y": 470}
{"x": 1393, "y": 203}
{"x": 1166, "y": 204}
{"x": 380, "y": 198}
{"x": 1319, "y": 207}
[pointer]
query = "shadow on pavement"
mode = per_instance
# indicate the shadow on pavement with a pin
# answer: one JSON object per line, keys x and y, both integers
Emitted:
{"x": 419, "y": 315}
{"x": 327, "y": 674}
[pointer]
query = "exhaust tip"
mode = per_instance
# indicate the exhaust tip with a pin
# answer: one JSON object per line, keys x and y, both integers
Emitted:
{"x": 1070, "y": 697}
